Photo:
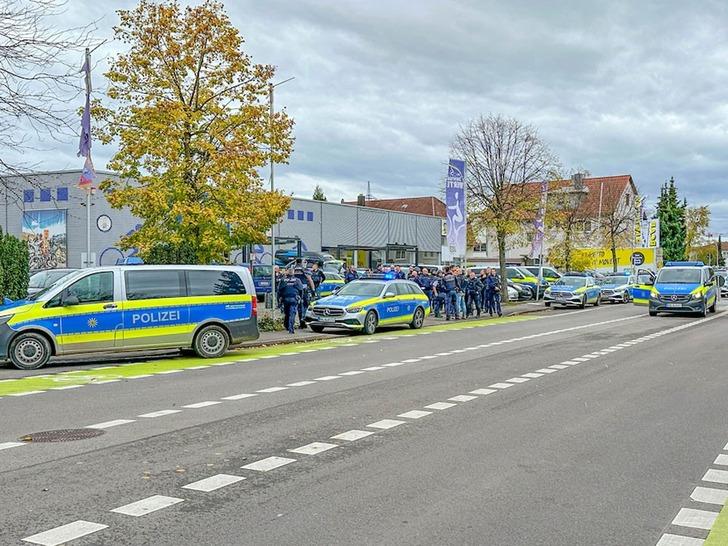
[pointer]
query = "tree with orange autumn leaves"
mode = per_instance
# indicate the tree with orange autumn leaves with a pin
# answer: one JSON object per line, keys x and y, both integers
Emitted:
{"x": 189, "y": 112}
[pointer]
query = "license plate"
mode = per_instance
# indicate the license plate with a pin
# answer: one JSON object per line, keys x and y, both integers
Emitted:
{"x": 327, "y": 319}
{"x": 560, "y": 299}
{"x": 674, "y": 304}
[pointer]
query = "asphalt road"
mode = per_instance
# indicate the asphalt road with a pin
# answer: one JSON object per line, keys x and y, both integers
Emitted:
{"x": 602, "y": 450}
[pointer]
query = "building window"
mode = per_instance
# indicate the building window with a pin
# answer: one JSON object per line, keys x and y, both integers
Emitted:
{"x": 28, "y": 196}
{"x": 291, "y": 214}
{"x": 309, "y": 216}
{"x": 480, "y": 247}
{"x": 45, "y": 195}
{"x": 62, "y": 194}
{"x": 300, "y": 215}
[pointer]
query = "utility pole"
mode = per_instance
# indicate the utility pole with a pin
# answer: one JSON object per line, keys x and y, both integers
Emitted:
{"x": 271, "y": 111}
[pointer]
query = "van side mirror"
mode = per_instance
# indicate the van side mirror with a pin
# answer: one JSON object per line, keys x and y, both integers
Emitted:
{"x": 388, "y": 295}
{"x": 721, "y": 280}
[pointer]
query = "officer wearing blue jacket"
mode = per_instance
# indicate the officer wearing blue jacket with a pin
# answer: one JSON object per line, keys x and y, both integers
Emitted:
{"x": 493, "y": 287}
{"x": 472, "y": 288}
{"x": 290, "y": 293}
{"x": 350, "y": 275}
{"x": 450, "y": 286}
{"x": 308, "y": 289}
{"x": 425, "y": 281}
{"x": 317, "y": 276}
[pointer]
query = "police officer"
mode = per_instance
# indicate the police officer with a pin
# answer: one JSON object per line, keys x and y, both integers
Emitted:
{"x": 317, "y": 276}
{"x": 494, "y": 297}
{"x": 438, "y": 296}
{"x": 472, "y": 288}
{"x": 351, "y": 274}
{"x": 425, "y": 281}
{"x": 398, "y": 273}
{"x": 460, "y": 294}
{"x": 308, "y": 289}
{"x": 290, "y": 293}
{"x": 450, "y": 287}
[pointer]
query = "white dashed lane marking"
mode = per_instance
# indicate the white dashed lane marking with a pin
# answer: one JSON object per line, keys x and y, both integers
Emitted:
{"x": 721, "y": 460}
{"x": 147, "y": 506}
{"x": 238, "y": 396}
{"x": 109, "y": 424}
{"x": 301, "y": 383}
{"x": 272, "y": 389}
{"x": 676, "y": 540}
{"x": 532, "y": 375}
{"x": 352, "y": 435}
{"x": 518, "y": 380}
{"x": 26, "y": 393}
{"x": 199, "y": 405}
{"x": 352, "y": 372}
{"x": 546, "y": 370}
{"x": 313, "y": 448}
{"x": 373, "y": 368}
{"x": 385, "y": 424}
{"x": 440, "y": 406}
{"x": 501, "y": 385}
{"x": 264, "y": 465}
{"x": 462, "y": 398}
{"x": 716, "y": 476}
{"x": 328, "y": 378}
{"x": 8, "y": 445}
{"x": 65, "y": 533}
{"x": 160, "y": 413}
{"x": 710, "y": 495}
{"x": 415, "y": 414}
{"x": 483, "y": 391}
{"x": 560, "y": 366}
{"x": 213, "y": 482}
{"x": 697, "y": 519}
{"x": 393, "y": 364}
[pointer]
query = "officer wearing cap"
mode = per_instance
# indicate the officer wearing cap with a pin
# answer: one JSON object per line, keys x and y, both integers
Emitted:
{"x": 290, "y": 293}
{"x": 308, "y": 289}
{"x": 425, "y": 281}
{"x": 317, "y": 276}
{"x": 472, "y": 288}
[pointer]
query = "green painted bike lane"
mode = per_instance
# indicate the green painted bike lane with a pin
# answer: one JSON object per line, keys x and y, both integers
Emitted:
{"x": 719, "y": 533}
{"x": 116, "y": 372}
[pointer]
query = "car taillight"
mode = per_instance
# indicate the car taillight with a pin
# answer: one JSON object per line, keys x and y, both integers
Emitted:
{"x": 255, "y": 306}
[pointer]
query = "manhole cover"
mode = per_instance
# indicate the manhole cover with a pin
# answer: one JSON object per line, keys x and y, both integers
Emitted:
{"x": 62, "y": 435}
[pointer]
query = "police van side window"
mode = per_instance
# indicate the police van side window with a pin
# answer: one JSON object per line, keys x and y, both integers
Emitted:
{"x": 148, "y": 285}
{"x": 96, "y": 288}
{"x": 214, "y": 283}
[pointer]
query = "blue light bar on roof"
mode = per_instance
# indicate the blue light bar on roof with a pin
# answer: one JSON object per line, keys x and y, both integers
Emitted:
{"x": 684, "y": 264}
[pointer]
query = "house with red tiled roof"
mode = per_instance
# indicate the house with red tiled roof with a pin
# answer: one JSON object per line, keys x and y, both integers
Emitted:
{"x": 587, "y": 198}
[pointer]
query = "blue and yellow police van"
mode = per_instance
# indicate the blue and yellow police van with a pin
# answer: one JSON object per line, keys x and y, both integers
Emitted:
{"x": 331, "y": 282}
{"x": 365, "y": 304}
{"x": 684, "y": 287}
{"x": 132, "y": 308}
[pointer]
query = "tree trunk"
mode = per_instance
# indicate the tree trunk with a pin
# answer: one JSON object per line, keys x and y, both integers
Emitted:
{"x": 614, "y": 255}
{"x": 501, "y": 237}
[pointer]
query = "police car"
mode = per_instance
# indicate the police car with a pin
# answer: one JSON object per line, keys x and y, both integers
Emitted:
{"x": 684, "y": 287}
{"x": 573, "y": 289}
{"x": 365, "y": 304}
{"x": 617, "y": 288}
{"x": 132, "y": 308}
{"x": 331, "y": 282}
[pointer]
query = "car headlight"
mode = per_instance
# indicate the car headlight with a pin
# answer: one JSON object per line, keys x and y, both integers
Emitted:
{"x": 353, "y": 309}
{"x": 697, "y": 297}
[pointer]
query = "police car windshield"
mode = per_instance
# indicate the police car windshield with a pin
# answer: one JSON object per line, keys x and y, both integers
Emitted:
{"x": 679, "y": 275}
{"x": 361, "y": 288}
{"x": 571, "y": 281}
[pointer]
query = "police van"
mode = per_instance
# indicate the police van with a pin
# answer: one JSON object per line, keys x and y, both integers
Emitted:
{"x": 132, "y": 308}
{"x": 684, "y": 287}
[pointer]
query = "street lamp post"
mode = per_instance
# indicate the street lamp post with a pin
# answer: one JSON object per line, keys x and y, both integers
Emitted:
{"x": 271, "y": 88}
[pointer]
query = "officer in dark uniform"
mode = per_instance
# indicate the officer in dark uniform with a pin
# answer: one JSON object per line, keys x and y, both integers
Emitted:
{"x": 308, "y": 289}
{"x": 425, "y": 281}
{"x": 290, "y": 293}
{"x": 473, "y": 287}
{"x": 317, "y": 276}
{"x": 494, "y": 297}
{"x": 450, "y": 286}
{"x": 350, "y": 275}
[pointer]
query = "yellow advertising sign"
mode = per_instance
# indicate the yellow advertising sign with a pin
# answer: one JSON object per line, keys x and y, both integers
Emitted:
{"x": 653, "y": 233}
{"x": 601, "y": 258}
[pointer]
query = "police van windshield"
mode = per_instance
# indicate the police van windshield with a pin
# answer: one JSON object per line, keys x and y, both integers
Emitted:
{"x": 678, "y": 275}
{"x": 371, "y": 289}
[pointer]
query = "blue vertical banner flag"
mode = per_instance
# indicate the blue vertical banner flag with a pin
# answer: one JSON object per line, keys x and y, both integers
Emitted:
{"x": 455, "y": 202}
{"x": 539, "y": 223}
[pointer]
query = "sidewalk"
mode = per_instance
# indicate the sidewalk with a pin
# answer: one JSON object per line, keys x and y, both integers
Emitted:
{"x": 301, "y": 335}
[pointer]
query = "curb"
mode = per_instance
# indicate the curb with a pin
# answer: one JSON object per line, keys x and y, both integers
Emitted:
{"x": 325, "y": 337}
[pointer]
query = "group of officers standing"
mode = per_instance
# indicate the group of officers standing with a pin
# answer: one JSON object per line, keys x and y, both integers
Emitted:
{"x": 453, "y": 291}
{"x": 460, "y": 293}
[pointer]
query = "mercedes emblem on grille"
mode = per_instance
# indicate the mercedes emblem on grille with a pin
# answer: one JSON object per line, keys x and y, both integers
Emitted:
{"x": 674, "y": 297}
{"x": 327, "y": 311}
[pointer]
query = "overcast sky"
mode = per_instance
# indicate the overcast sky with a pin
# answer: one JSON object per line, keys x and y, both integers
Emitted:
{"x": 382, "y": 86}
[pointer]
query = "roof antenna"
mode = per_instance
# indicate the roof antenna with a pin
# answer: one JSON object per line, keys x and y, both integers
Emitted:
{"x": 369, "y": 191}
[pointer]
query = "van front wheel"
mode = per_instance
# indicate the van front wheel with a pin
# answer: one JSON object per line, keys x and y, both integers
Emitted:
{"x": 211, "y": 342}
{"x": 30, "y": 351}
